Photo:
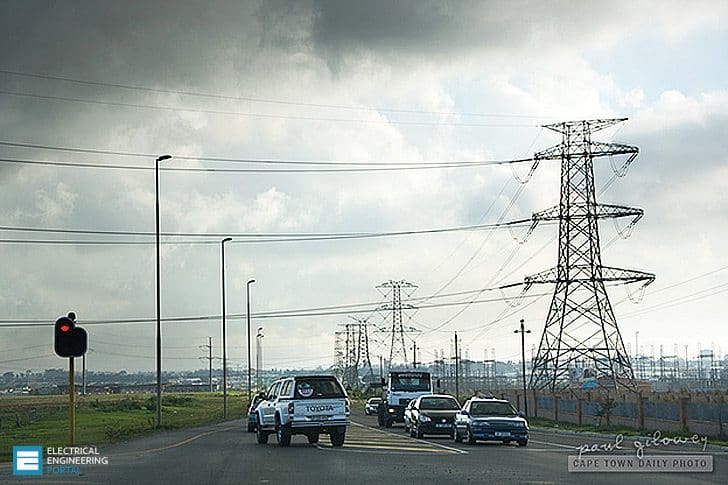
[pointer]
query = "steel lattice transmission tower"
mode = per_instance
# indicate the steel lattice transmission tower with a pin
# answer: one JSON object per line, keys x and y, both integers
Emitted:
{"x": 581, "y": 331}
{"x": 398, "y": 347}
{"x": 351, "y": 351}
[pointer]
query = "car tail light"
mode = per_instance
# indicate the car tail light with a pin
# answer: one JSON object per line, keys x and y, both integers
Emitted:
{"x": 291, "y": 408}
{"x": 348, "y": 407}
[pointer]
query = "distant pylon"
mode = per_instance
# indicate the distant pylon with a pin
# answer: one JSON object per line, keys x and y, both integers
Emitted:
{"x": 581, "y": 332}
{"x": 398, "y": 347}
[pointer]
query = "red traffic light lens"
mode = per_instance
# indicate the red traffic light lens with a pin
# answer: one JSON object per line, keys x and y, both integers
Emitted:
{"x": 65, "y": 328}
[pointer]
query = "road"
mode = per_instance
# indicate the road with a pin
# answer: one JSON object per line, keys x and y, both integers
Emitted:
{"x": 225, "y": 454}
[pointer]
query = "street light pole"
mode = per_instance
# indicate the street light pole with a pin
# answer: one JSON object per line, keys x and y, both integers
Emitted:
{"x": 247, "y": 314}
{"x": 523, "y": 333}
{"x": 258, "y": 357}
{"x": 160, "y": 158}
{"x": 224, "y": 332}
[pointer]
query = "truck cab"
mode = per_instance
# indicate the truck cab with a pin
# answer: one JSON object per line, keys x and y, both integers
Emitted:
{"x": 399, "y": 389}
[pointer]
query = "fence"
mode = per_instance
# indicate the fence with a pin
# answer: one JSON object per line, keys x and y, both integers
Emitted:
{"x": 702, "y": 413}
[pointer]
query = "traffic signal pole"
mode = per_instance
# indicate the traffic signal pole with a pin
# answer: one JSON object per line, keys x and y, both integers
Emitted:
{"x": 71, "y": 401}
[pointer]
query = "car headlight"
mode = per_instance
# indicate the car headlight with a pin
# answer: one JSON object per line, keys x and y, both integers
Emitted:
{"x": 520, "y": 424}
{"x": 424, "y": 419}
{"x": 392, "y": 410}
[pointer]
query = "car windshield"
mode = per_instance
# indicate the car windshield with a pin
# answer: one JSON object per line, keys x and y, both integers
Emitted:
{"x": 313, "y": 388}
{"x": 411, "y": 382}
{"x": 439, "y": 403}
{"x": 492, "y": 409}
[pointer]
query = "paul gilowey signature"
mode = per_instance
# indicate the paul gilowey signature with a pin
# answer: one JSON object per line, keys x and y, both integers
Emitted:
{"x": 654, "y": 441}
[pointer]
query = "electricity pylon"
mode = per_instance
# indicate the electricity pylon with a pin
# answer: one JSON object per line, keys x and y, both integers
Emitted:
{"x": 581, "y": 329}
{"x": 398, "y": 347}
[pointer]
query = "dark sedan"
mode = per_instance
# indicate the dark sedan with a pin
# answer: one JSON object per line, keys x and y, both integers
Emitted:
{"x": 490, "y": 419}
{"x": 433, "y": 414}
{"x": 252, "y": 415}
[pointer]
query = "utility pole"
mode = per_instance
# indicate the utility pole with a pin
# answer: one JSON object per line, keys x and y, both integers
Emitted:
{"x": 457, "y": 369}
{"x": 523, "y": 333}
{"x": 414, "y": 355}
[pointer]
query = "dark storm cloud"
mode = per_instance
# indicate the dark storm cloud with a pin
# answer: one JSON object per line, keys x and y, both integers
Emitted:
{"x": 438, "y": 31}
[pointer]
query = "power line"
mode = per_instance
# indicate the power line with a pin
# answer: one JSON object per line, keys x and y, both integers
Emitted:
{"x": 259, "y": 100}
{"x": 242, "y": 238}
{"x": 99, "y": 151}
{"x": 257, "y": 115}
{"x": 322, "y": 311}
{"x": 372, "y": 168}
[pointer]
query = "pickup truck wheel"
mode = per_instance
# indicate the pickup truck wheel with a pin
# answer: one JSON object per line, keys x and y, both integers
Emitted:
{"x": 313, "y": 438}
{"x": 455, "y": 435}
{"x": 337, "y": 437}
{"x": 261, "y": 435}
{"x": 283, "y": 433}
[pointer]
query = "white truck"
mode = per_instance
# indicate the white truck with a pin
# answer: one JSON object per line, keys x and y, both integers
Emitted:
{"x": 307, "y": 405}
{"x": 400, "y": 388}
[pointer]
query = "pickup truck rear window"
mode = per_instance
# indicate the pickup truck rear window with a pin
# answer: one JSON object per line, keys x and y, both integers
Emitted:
{"x": 318, "y": 388}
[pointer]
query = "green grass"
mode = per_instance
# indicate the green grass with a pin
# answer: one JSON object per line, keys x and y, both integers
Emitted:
{"x": 105, "y": 418}
{"x": 608, "y": 430}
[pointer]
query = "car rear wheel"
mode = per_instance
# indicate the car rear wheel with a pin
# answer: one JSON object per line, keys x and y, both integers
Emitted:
{"x": 283, "y": 433}
{"x": 387, "y": 423}
{"x": 522, "y": 442}
{"x": 455, "y": 435}
{"x": 313, "y": 438}
{"x": 337, "y": 437}
{"x": 418, "y": 433}
{"x": 469, "y": 439}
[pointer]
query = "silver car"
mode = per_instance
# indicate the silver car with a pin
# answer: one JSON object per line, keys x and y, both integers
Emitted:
{"x": 372, "y": 406}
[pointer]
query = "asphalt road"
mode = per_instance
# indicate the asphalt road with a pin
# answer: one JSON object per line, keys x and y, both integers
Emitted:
{"x": 226, "y": 454}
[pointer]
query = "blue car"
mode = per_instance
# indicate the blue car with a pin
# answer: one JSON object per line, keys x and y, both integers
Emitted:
{"x": 252, "y": 415}
{"x": 490, "y": 419}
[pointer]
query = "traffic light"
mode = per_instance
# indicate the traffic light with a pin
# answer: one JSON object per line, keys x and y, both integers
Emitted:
{"x": 70, "y": 340}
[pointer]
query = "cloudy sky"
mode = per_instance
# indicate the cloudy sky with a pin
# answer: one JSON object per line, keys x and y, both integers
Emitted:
{"x": 348, "y": 82}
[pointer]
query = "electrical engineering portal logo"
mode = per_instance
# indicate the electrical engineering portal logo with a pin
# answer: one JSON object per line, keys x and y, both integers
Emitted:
{"x": 27, "y": 460}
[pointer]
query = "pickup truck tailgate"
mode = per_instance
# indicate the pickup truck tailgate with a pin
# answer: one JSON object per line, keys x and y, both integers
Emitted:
{"x": 320, "y": 410}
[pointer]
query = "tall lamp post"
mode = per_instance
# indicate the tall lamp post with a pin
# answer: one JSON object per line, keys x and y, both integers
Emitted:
{"x": 523, "y": 333}
{"x": 258, "y": 356}
{"x": 247, "y": 314}
{"x": 224, "y": 332}
{"x": 160, "y": 158}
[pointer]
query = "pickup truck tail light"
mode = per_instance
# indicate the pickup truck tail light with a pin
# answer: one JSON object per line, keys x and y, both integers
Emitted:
{"x": 291, "y": 408}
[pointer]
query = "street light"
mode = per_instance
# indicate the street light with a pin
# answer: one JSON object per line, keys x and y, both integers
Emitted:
{"x": 523, "y": 333}
{"x": 247, "y": 313}
{"x": 258, "y": 357}
{"x": 224, "y": 337}
{"x": 160, "y": 158}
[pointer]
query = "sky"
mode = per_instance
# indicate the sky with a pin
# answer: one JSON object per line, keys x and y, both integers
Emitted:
{"x": 420, "y": 82}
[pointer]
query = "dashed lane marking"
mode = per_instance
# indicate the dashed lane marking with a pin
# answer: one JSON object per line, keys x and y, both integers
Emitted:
{"x": 365, "y": 439}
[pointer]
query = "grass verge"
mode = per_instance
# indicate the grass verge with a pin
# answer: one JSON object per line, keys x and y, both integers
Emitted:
{"x": 43, "y": 420}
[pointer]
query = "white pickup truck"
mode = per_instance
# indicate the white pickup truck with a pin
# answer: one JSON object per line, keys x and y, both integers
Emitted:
{"x": 307, "y": 405}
